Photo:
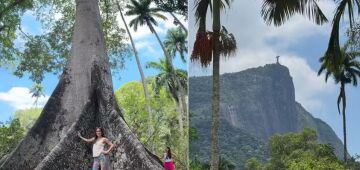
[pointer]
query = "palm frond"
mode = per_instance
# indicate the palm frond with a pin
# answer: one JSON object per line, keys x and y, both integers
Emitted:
{"x": 333, "y": 53}
{"x": 279, "y": 11}
{"x": 154, "y": 65}
{"x": 158, "y": 15}
{"x": 227, "y": 43}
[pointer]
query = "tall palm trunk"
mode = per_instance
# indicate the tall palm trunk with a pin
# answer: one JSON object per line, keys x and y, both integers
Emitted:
{"x": 178, "y": 21}
{"x": 180, "y": 117}
{"x": 143, "y": 80}
{"x": 342, "y": 91}
{"x": 214, "y": 164}
{"x": 169, "y": 60}
{"x": 168, "y": 57}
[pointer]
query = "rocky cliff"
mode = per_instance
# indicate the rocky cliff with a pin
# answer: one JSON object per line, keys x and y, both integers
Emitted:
{"x": 255, "y": 104}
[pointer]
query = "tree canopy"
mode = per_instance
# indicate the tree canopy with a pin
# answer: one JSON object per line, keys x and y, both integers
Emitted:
{"x": 295, "y": 151}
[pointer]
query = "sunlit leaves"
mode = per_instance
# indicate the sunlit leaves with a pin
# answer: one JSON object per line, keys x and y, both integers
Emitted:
{"x": 298, "y": 151}
{"x": 166, "y": 133}
{"x": 28, "y": 117}
{"x": 11, "y": 12}
{"x": 10, "y": 136}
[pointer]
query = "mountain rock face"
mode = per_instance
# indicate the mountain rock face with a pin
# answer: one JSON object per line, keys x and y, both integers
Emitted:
{"x": 255, "y": 104}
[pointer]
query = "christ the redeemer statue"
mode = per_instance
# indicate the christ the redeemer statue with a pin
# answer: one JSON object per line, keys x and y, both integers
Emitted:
{"x": 277, "y": 59}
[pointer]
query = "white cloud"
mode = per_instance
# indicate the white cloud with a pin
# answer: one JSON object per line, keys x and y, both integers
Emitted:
{"x": 310, "y": 88}
{"x": 20, "y": 98}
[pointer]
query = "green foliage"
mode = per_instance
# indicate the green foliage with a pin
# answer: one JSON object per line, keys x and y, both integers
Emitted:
{"x": 167, "y": 79}
{"x": 27, "y": 117}
{"x": 298, "y": 151}
{"x": 10, "y": 136}
{"x": 10, "y": 19}
{"x": 175, "y": 6}
{"x": 193, "y": 134}
{"x": 353, "y": 163}
{"x": 144, "y": 14}
{"x": 130, "y": 98}
{"x": 253, "y": 164}
{"x": 176, "y": 42}
{"x": 49, "y": 51}
{"x": 35, "y": 56}
{"x": 224, "y": 164}
{"x": 196, "y": 164}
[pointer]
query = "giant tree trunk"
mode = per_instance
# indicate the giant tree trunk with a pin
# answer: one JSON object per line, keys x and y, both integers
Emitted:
{"x": 82, "y": 100}
{"x": 214, "y": 164}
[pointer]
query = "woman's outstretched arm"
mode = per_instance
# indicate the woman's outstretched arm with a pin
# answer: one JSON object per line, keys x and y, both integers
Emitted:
{"x": 86, "y": 140}
{"x": 111, "y": 145}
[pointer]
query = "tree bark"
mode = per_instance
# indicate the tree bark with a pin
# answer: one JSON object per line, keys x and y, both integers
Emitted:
{"x": 143, "y": 80}
{"x": 180, "y": 115}
{"x": 83, "y": 99}
{"x": 214, "y": 164}
{"x": 177, "y": 20}
{"x": 344, "y": 119}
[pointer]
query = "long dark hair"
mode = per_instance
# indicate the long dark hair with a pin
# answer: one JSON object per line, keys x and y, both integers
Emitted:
{"x": 168, "y": 153}
{"x": 102, "y": 132}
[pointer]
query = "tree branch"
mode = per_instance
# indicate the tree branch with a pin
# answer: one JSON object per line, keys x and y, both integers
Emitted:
{"x": 10, "y": 6}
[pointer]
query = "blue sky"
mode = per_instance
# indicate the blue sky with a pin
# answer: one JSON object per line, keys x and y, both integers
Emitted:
{"x": 300, "y": 43}
{"x": 14, "y": 91}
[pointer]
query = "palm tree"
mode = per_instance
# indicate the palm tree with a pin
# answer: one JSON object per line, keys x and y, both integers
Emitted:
{"x": 37, "y": 91}
{"x": 176, "y": 42}
{"x": 165, "y": 78}
{"x": 144, "y": 15}
{"x": 346, "y": 72}
{"x": 208, "y": 47}
{"x": 332, "y": 58}
{"x": 143, "y": 80}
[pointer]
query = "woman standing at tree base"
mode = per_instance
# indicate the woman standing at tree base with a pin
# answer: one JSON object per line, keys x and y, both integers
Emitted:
{"x": 99, "y": 153}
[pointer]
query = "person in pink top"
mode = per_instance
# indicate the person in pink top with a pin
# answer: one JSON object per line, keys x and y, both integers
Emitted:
{"x": 99, "y": 151}
{"x": 168, "y": 160}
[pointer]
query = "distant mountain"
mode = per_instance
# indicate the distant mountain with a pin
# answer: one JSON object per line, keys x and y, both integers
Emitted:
{"x": 255, "y": 104}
